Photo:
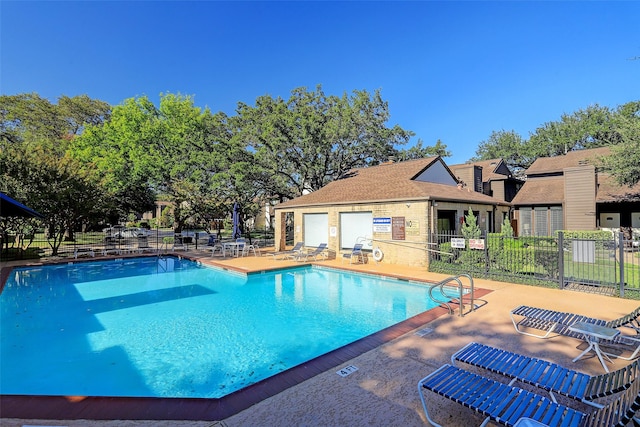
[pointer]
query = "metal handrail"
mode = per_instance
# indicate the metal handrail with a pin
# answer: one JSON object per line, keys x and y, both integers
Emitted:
{"x": 441, "y": 286}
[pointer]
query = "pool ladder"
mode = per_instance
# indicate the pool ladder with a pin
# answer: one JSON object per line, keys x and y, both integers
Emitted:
{"x": 454, "y": 294}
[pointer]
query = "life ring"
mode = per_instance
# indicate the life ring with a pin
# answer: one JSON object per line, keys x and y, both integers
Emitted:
{"x": 377, "y": 255}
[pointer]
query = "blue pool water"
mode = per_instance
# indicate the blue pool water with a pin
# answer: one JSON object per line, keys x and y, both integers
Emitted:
{"x": 173, "y": 328}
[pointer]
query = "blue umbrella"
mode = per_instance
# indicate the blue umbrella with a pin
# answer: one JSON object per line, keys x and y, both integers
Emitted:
{"x": 10, "y": 207}
{"x": 235, "y": 216}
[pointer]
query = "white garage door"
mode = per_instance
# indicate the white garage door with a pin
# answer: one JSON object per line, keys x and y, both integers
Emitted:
{"x": 316, "y": 229}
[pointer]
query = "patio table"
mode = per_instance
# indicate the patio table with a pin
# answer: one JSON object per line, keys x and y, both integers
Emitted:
{"x": 592, "y": 335}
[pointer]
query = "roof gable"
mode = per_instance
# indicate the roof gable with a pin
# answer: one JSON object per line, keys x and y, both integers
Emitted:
{"x": 437, "y": 173}
{"x": 420, "y": 179}
{"x": 556, "y": 164}
{"x": 492, "y": 169}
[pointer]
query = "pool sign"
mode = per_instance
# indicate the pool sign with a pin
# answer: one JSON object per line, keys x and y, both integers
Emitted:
{"x": 347, "y": 370}
{"x": 457, "y": 243}
{"x": 476, "y": 243}
{"x": 382, "y": 225}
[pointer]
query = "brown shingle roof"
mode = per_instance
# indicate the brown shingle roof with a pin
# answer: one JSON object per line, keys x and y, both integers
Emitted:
{"x": 387, "y": 182}
{"x": 557, "y": 164}
{"x": 610, "y": 191}
{"x": 541, "y": 191}
{"x": 489, "y": 169}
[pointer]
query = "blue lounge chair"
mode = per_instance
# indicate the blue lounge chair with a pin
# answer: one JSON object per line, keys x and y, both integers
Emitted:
{"x": 284, "y": 254}
{"x": 559, "y": 323}
{"x": 547, "y": 375}
{"x": 302, "y": 256}
{"x": 355, "y": 254}
{"x": 506, "y": 404}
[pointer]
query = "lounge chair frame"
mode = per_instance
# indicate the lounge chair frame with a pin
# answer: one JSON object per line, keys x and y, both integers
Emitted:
{"x": 547, "y": 375}
{"x": 559, "y": 323}
{"x": 356, "y": 253}
{"x": 302, "y": 256}
{"x": 506, "y": 404}
{"x": 284, "y": 254}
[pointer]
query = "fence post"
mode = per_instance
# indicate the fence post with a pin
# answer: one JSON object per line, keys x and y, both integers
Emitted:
{"x": 621, "y": 257}
{"x": 487, "y": 261}
{"x": 561, "y": 259}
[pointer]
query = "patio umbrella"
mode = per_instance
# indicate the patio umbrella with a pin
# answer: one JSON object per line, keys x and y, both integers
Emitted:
{"x": 235, "y": 216}
{"x": 10, "y": 207}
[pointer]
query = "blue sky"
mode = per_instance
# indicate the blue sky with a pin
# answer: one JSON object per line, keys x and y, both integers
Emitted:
{"x": 454, "y": 71}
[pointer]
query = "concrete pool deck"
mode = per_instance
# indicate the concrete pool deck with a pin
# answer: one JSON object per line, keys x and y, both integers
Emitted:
{"x": 383, "y": 389}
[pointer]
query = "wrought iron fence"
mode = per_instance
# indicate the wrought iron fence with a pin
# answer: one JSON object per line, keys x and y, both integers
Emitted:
{"x": 94, "y": 244}
{"x": 599, "y": 261}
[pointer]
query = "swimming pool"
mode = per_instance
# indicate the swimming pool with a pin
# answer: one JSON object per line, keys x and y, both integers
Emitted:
{"x": 173, "y": 328}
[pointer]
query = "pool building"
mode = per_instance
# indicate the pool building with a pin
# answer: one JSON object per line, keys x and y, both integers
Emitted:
{"x": 393, "y": 207}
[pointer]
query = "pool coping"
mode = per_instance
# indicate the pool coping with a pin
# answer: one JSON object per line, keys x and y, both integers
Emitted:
{"x": 203, "y": 409}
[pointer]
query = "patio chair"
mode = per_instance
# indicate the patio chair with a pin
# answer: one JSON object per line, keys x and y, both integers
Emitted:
{"x": 83, "y": 251}
{"x": 284, "y": 254}
{"x": 547, "y": 375}
{"x": 355, "y": 254}
{"x": 506, "y": 404}
{"x": 306, "y": 256}
{"x": 559, "y": 323}
{"x": 214, "y": 245}
{"x": 143, "y": 245}
{"x": 110, "y": 247}
{"x": 179, "y": 244}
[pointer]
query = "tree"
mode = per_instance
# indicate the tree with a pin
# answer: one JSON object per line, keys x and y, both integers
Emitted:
{"x": 312, "y": 139}
{"x": 470, "y": 228}
{"x": 588, "y": 128}
{"x": 624, "y": 161}
{"x": 34, "y": 136}
{"x": 508, "y": 146}
{"x": 174, "y": 150}
{"x": 419, "y": 152}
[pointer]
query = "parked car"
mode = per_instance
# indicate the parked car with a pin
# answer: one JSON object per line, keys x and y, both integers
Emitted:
{"x": 133, "y": 232}
{"x": 122, "y": 232}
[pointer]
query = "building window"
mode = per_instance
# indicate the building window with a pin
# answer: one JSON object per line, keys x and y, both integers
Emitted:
{"x": 525, "y": 222}
{"x": 557, "y": 222}
{"x": 541, "y": 221}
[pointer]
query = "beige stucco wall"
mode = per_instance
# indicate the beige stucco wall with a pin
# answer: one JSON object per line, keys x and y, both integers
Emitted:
{"x": 419, "y": 219}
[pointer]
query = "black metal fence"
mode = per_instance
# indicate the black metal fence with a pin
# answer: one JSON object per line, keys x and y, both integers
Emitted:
{"x": 592, "y": 261}
{"x": 92, "y": 244}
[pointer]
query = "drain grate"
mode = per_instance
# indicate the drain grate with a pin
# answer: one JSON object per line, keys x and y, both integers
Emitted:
{"x": 424, "y": 332}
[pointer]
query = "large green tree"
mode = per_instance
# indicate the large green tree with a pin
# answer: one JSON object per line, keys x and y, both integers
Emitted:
{"x": 624, "y": 161}
{"x": 311, "y": 139}
{"x": 418, "y": 151}
{"x": 35, "y": 167}
{"x": 506, "y": 145}
{"x": 173, "y": 151}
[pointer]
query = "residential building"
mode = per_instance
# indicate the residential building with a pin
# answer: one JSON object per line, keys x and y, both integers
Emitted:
{"x": 393, "y": 207}
{"x": 570, "y": 192}
{"x": 491, "y": 177}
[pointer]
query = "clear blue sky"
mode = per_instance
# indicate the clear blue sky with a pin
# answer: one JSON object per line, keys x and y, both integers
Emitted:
{"x": 454, "y": 71}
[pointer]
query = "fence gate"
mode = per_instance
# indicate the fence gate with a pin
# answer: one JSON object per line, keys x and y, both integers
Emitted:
{"x": 605, "y": 265}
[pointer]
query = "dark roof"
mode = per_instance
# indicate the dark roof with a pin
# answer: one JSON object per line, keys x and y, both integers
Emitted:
{"x": 556, "y": 164}
{"x": 387, "y": 183}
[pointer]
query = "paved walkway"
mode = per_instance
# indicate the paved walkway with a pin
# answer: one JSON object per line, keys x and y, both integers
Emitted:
{"x": 383, "y": 390}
